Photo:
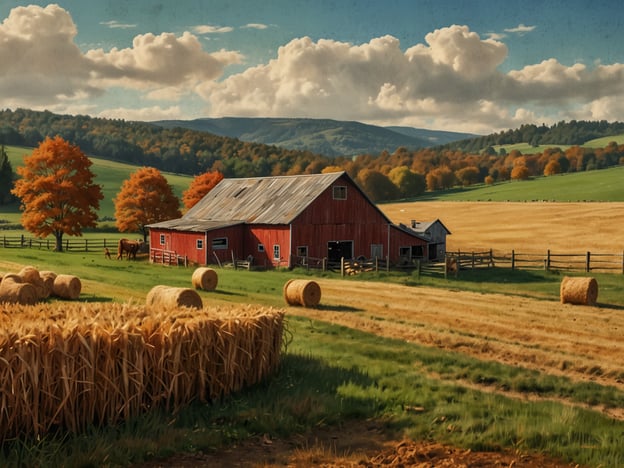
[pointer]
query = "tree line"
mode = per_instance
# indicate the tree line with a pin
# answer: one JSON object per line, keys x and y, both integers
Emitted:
{"x": 393, "y": 175}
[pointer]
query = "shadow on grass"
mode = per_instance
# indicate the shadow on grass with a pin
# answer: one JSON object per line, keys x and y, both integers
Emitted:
{"x": 338, "y": 308}
{"x": 507, "y": 275}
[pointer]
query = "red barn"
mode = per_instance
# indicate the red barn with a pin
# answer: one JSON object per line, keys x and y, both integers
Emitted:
{"x": 280, "y": 221}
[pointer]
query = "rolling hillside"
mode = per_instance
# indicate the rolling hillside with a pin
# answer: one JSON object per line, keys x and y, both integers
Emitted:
{"x": 321, "y": 136}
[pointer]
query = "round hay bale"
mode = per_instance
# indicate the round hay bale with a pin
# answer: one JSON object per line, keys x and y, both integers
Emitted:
{"x": 16, "y": 292}
{"x": 29, "y": 274}
{"x": 66, "y": 287}
{"x": 578, "y": 290}
{"x": 205, "y": 278}
{"x": 169, "y": 297}
{"x": 32, "y": 276}
{"x": 302, "y": 292}
{"x": 48, "y": 278}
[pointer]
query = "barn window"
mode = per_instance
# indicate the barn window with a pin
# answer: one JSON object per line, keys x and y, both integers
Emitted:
{"x": 376, "y": 250}
{"x": 260, "y": 247}
{"x": 162, "y": 239}
{"x": 340, "y": 192}
{"x": 199, "y": 244}
{"x": 302, "y": 251}
{"x": 276, "y": 252}
{"x": 219, "y": 243}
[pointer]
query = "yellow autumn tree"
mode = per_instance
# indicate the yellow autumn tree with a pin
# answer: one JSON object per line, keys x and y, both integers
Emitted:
{"x": 145, "y": 198}
{"x": 199, "y": 187}
{"x": 57, "y": 192}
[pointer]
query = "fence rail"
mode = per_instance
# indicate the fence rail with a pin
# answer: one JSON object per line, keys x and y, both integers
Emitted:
{"x": 76, "y": 245}
{"x": 461, "y": 259}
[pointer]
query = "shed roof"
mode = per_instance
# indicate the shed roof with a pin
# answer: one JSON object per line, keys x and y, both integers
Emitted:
{"x": 261, "y": 200}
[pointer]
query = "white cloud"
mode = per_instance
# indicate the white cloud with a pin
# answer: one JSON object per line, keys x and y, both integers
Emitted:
{"x": 155, "y": 61}
{"x": 207, "y": 29}
{"x": 40, "y": 61}
{"x": 452, "y": 80}
{"x": 117, "y": 25}
{"x": 43, "y": 66}
{"x": 520, "y": 29}
{"x": 255, "y": 26}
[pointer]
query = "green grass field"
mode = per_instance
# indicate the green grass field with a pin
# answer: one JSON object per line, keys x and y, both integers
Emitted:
{"x": 603, "y": 185}
{"x": 333, "y": 374}
{"x": 526, "y": 148}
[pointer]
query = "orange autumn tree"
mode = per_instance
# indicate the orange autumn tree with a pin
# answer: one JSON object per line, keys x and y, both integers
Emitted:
{"x": 57, "y": 192}
{"x": 199, "y": 187}
{"x": 145, "y": 198}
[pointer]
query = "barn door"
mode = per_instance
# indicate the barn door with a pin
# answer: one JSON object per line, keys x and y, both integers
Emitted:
{"x": 339, "y": 249}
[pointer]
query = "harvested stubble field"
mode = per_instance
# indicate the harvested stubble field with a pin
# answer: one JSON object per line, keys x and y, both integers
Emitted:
{"x": 525, "y": 227}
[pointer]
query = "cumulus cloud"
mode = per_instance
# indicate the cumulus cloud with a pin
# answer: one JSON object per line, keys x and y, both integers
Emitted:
{"x": 40, "y": 61}
{"x": 453, "y": 80}
{"x": 43, "y": 66}
{"x": 163, "y": 60}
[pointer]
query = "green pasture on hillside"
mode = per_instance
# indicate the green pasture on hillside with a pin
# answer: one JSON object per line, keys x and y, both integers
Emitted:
{"x": 109, "y": 174}
{"x": 604, "y": 185}
{"x": 526, "y": 148}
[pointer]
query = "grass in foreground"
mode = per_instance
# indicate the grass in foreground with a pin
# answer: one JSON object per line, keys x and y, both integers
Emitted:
{"x": 333, "y": 374}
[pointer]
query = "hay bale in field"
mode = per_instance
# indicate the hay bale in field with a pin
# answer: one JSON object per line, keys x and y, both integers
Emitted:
{"x": 67, "y": 287}
{"x": 48, "y": 278}
{"x": 32, "y": 276}
{"x": 302, "y": 292}
{"x": 578, "y": 290}
{"x": 205, "y": 278}
{"x": 14, "y": 291}
{"x": 163, "y": 297}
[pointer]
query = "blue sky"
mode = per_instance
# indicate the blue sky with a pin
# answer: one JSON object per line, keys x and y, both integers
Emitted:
{"x": 476, "y": 66}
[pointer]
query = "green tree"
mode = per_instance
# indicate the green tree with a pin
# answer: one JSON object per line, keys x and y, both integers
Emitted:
{"x": 6, "y": 177}
{"x": 409, "y": 183}
{"x": 377, "y": 186}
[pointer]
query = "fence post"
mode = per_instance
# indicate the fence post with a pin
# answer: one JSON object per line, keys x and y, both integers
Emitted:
{"x": 473, "y": 260}
{"x": 513, "y": 259}
{"x": 587, "y": 261}
{"x": 376, "y": 264}
{"x": 547, "y": 261}
{"x": 491, "y": 263}
{"x": 418, "y": 266}
{"x": 86, "y": 245}
{"x": 341, "y": 266}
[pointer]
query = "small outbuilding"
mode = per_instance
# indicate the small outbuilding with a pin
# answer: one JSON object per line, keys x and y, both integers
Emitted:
{"x": 284, "y": 221}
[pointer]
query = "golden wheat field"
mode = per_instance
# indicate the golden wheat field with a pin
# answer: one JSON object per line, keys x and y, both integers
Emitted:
{"x": 531, "y": 227}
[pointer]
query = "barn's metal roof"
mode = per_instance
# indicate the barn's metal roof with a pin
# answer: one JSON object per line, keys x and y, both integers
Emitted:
{"x": 259, "y": 200}
{"x": 194, "y": 225}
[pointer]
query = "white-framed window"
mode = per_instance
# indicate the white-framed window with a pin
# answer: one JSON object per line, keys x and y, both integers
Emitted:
{"x": 219, "y": 243}
{"x": 340, "y": 192}
{"x": 162, "y": 239}
{"x": 260, "y": 248}
{"x": 276, "y": 252}
{"x": 199, "y": 244}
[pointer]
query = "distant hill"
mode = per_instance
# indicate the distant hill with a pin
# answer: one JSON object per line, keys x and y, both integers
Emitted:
{"x": 320, "y": 136}
{"x": 433, "y": 137}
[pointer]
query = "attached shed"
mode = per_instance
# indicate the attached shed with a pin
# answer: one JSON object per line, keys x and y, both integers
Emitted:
{"x": 435, "y": 233}
{"x": 282, "y": 221}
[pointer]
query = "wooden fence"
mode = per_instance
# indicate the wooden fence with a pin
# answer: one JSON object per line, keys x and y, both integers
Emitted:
{"x": 581, "y": 262}
{"x": 69, "y": 244}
